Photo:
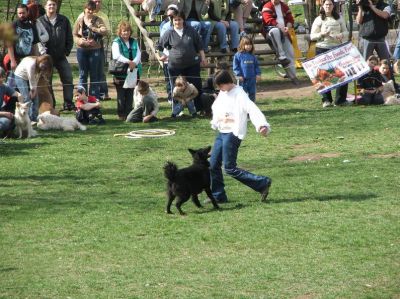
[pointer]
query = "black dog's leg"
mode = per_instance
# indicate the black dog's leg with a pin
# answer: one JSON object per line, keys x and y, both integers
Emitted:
{"x": 196, "y": 201}
{"x": 180, "y": 201}
{"x": 171, "y": 198}
{"x": 211, "y": 197}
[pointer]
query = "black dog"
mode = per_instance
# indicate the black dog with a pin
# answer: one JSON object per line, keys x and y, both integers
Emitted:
{"x": 189, "y": 181}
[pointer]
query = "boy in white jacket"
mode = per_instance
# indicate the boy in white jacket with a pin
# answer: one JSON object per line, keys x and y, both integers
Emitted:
{"x": 230, "y": 111}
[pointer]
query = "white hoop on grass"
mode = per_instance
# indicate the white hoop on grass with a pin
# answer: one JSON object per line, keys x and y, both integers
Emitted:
{"x": 149, "y": 133}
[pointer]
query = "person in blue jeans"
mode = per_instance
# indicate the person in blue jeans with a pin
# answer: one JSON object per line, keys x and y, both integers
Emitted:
{"x": 6, "y": 115}
{"x": 230, "y": 111}
{"x": 88, "y": 33}
{"x": 246, "y": 68}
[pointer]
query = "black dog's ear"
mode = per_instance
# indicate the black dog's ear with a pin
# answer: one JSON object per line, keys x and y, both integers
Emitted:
{"x": 191, "y": 151}
{"x": 208, "y": 148}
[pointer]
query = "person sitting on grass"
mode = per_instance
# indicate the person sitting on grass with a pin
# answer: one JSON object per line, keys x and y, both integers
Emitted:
{"x": 384, "y": 69}
{"x": 6, "y": 112}
{"x": 146, "y": 105}
{"x": 185, "y": 93}
{"x": 371, "y": 85}
{"x": 87, "y": 108}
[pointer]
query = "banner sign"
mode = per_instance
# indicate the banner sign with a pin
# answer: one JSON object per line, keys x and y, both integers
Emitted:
{"x": 336, "y": 67}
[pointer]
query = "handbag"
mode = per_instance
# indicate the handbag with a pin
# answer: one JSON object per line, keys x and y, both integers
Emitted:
{"x": 117, "y": 68}
{"x": 131, "y": 79}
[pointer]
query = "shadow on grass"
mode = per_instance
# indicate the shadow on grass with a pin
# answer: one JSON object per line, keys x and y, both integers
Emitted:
{"x": 346, "y": 197}
{"x": 12, "y": 147}
{"x": 9, "y": 269}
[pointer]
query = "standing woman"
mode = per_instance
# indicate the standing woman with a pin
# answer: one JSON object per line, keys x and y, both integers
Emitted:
{"x": 186, "y": 54}
{"x": 329, "y": 30}
{"x": 88, "y": 33}
{"x": 125, "y": 49}
{"x": 27, "y": 75}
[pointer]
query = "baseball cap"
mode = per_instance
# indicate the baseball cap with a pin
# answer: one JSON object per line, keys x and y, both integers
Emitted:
{"x": 173, "y": 6}
{"x": 80, "y": 89}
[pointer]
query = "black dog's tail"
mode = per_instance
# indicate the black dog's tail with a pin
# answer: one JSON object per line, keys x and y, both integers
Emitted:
{"x": 170, "y": 170}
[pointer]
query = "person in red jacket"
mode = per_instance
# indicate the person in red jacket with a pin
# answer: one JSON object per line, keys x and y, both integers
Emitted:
{"x": 277, "y": 19}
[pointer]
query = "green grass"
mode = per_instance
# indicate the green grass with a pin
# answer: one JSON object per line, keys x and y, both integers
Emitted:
{"x": 82, "y": 214}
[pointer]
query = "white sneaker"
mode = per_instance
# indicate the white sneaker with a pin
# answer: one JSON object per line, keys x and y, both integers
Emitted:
{"x": 326, "y": 104}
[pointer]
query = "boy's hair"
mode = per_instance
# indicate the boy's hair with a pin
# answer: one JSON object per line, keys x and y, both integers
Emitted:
{"x": 24, "y": 6}
{"x": 2, "y": 72}
{"x": 222, "y": 65}
{"x": 181, "y": 81}
{"x": 373, "y": 58}
{"x": 142, "y": 86}
{"x": 223, "y": 77}
{"x": 384, "y": 62}
{"x": 90, "y": 5}
{"x": 243, "y": 42}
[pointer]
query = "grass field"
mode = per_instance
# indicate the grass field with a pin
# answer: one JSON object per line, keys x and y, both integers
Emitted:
{"x": 82, "y": 214}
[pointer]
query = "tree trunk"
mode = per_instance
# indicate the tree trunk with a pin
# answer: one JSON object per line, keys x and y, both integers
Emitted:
{"x": 59, "y": 2}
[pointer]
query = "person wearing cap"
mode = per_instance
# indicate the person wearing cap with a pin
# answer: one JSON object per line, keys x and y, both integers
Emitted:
{"x": 87, "y": 108}
{"x": 166, "y": 25}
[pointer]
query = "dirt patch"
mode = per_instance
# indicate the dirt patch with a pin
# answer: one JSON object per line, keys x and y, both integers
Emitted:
{"x": 286, "y": 89}
{"x": 385, "y": 156}
{"x": 314, "y": 157}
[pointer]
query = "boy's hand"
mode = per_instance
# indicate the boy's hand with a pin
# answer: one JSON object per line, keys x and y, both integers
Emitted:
{"x": 264, "y": 131}
{"x": 258, "y": 78}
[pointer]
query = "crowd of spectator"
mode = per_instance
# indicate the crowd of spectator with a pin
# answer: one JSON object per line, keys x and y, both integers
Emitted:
{"x": 44, "y": 39}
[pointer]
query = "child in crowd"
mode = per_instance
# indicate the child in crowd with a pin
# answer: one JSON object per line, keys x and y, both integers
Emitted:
{"x": 384, "y": 69}
{"x": 371, "y": 85}
{"x": 146, "y": 105}
{"x": 230, "y": 111}
{"x": 87, "y": 108}
{"x": 185, "y": 93}
{"x": 7, "y": 108}
{"x": 209, "y": 91}
{"x": 245, "y": 67}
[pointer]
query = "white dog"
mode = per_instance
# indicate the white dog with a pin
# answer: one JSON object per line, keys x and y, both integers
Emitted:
{"x": 49, "y": 121}
{"x": 23, "y": 126}
{"x": 389, "y": 94}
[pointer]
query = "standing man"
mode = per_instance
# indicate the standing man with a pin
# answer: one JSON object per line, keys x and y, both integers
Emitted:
{"x": 26, "y": 37}
{"x": 373, "y": 19}
{"x": 104, "y": 42}
{"x": 59, "y": 47}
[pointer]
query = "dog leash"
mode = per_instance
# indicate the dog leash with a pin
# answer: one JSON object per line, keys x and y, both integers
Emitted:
{"x": 148, "y": 133}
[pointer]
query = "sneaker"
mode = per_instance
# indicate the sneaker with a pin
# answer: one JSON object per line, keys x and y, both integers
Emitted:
{"x": 264, "y": 193}
{"x": 92, "y": 122}
{"x": 224, "y": 50}
{"x": 69, "y": 107}
{"x": 207, "y": 201}
{"x": 101, "y": 121}
{"x": 326, "y": 104}
{"x": 284, "y": 61}
{"x": 194, "y": 115}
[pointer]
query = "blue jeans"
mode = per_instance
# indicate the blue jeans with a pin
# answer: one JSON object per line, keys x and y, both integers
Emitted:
{"x": 224, "y": 153}
{"x": 89, "y": 65}
{"x": 221, "y": 33}
{"x": 204, "y": 29}
{"x": 5, "y": 124}
{"x": 23, "y": 87}
{"x": 192, "y": 74}
{"x": 249, "y": 86}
